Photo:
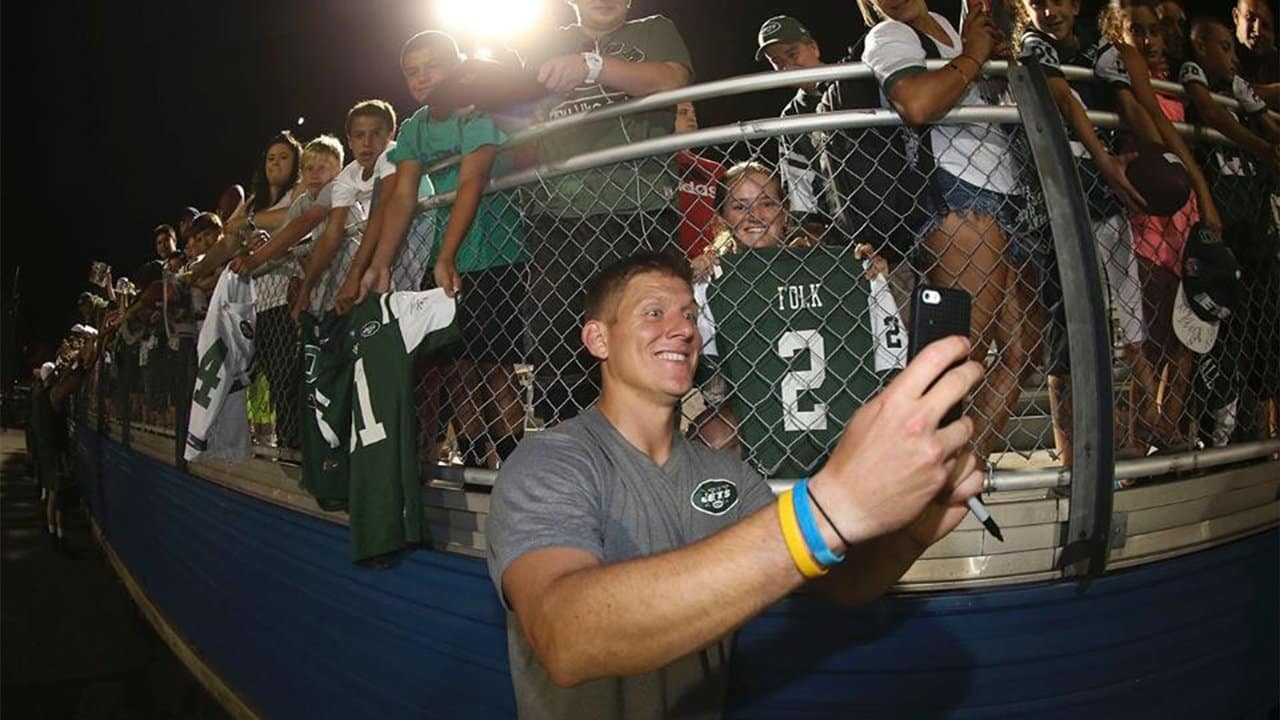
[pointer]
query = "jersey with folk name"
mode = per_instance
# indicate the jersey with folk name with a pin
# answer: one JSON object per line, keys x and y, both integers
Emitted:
{"x": 804, "y": 340}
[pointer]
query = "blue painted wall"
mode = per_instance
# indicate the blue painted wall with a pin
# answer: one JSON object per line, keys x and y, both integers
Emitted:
{"x": 268, "y": 599}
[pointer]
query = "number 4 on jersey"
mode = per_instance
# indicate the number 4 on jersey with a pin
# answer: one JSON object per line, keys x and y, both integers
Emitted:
{"x": 207, "y": 375}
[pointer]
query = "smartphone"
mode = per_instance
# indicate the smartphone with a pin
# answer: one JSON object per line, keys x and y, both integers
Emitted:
{"x": 938, "y": 312}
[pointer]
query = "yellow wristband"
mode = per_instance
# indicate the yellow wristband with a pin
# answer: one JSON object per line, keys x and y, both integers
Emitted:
{"x": 800, "y": 554}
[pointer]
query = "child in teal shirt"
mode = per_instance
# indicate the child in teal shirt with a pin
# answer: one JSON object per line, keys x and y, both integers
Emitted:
{"x": 478, "y": 255}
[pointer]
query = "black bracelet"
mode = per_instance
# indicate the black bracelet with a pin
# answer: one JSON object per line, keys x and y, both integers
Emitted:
{"x": 831, "y": 522}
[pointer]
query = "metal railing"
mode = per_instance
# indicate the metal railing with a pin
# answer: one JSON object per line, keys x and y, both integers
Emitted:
{"x": 542, "y": 377}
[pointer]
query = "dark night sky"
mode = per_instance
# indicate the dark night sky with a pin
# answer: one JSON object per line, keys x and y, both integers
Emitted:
{"x": 116, "y": 116}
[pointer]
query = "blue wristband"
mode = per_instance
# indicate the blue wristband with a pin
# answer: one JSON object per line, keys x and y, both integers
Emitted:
{"x": 809, "y": 527}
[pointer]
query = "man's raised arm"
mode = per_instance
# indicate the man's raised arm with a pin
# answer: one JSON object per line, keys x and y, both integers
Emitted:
{"x": 882, "y": 485}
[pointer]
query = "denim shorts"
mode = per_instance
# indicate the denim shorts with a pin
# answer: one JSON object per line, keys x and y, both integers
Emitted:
{"x": 948, "y": 193}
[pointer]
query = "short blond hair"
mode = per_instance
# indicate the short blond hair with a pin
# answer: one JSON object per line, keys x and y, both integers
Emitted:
{"x": 324, "y": 145}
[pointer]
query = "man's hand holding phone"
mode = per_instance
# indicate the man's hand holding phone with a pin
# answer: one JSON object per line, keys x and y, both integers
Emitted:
{"x": 895, "y": 458}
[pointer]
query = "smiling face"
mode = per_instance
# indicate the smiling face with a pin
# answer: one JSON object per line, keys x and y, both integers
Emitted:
{"x": 423, "y": 70}
{"x": 1053, "y": 17}
{"x": 649, "y": 343}
{"x": 752, "y": 210}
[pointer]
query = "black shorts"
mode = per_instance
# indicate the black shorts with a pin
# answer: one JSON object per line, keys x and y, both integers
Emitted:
{"x": 489, "y": 314}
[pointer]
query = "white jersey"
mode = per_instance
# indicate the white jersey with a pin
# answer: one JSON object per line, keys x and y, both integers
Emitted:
{"x": 219, "y": 422}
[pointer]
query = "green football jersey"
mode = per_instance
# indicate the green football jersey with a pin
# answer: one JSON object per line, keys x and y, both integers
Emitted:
{"x": 804, "y": 339}
{"x": 386, "y": 490}
{"x": 328, "y": 361}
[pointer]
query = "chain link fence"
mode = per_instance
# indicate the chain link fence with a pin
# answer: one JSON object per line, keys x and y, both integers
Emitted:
{"x": 805, "y": 310}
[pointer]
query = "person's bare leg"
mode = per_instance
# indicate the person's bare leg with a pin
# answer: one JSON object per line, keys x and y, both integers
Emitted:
{"x": 1144, "y": 388}
{"x": 1060, "y": 411}
{"x": 1016, "y": 333}
{"x": 1174, "y": 398}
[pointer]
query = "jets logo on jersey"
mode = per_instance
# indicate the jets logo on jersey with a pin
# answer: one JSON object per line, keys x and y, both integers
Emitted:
{"x": 714, "y": 496}
{"x": 370, "y": 329}
{"x": 246, "y": 329}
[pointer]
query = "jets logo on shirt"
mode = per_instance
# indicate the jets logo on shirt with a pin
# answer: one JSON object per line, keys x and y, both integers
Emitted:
{"x": 246, "y": 329}
{"x": 714, "y": 496}
{"x": 630, "y": 53}
{"x": 370, "y": 329}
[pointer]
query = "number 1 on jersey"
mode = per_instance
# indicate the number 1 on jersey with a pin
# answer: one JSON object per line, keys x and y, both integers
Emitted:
{"x": 368, "y": 430}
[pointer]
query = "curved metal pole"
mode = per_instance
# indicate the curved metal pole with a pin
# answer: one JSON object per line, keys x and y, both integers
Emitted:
{"x": 743, "y": 84}
{"x": 746, "y": 130}
{"x": 1084, "y": 553}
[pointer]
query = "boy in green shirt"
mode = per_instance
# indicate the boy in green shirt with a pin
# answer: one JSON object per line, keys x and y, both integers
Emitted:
{"x": 478, "y": 251}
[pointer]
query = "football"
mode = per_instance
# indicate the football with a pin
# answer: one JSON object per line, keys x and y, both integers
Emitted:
{"x": 229, "y": 201}
{"x": 1161, "y": 179}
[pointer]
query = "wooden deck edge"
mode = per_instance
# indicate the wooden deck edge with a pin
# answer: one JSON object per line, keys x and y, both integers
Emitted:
{"x": 224, "y": 694}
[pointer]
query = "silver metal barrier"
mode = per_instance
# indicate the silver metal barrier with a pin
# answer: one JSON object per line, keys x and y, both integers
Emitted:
{"x": 528, "y": 372}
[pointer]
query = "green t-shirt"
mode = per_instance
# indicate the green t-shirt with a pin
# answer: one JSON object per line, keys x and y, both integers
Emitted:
{"x": 647, "y": 184}
{"x": 495, "y": 237}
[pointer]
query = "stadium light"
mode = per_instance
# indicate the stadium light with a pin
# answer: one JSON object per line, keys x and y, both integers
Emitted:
{"x": 489, "y": 18}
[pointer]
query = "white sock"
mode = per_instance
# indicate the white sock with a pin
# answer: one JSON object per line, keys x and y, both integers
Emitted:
{"x": 59, "y": 532}
{"x": 44, "y": 494}
{"x": 51, "y": 530}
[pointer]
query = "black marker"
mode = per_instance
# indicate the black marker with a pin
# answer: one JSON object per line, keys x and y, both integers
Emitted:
{"x": 980, "y": 511}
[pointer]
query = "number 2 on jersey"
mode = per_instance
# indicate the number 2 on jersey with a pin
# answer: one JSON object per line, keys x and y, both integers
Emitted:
{"x": 368, "y": 430}
{"x": 793, "y": 383}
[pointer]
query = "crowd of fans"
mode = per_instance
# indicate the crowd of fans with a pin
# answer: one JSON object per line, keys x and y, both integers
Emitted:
{"x": 320, "y": 230}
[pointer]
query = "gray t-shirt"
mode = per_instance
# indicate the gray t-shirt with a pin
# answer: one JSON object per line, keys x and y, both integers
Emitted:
{"x": 271, "y": 281}
{"x": 582, "y": 485}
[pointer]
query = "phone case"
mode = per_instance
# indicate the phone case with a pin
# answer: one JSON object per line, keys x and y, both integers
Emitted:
{"x": 934, "y": 321}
